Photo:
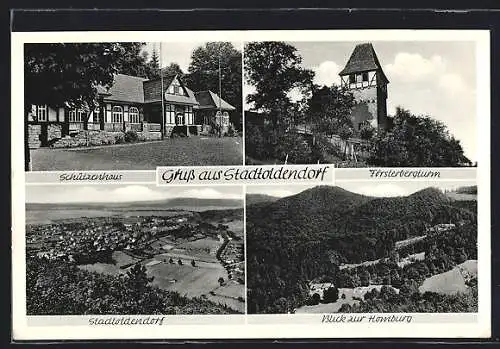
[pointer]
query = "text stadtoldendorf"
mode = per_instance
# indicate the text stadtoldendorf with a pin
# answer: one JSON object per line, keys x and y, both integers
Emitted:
{"x": 242, "y": 174}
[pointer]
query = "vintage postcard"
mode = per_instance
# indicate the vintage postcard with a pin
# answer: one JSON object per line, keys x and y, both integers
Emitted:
{"x": 251, "y": 184}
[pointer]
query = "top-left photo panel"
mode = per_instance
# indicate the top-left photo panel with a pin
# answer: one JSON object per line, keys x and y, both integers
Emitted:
{"x": 132, "y": 105}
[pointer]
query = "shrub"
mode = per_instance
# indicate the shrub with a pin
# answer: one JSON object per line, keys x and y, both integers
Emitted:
{"x": 231, "y": 131}
{"x": 366, "y": 132}
{"x": 330, "y": 295}
{"x": 314, "y": 300}
{"x": 131, "y": 136}
{"x": 119, "y": 139}
{"x": 254, "y": 142}
{"x": 215, "y": 130}
{"x": 295, "y": 146}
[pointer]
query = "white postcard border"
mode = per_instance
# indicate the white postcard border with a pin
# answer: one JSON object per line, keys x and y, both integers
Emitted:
{"x": 481, "y": 328}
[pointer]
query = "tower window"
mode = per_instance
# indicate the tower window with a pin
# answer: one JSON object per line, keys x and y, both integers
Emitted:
{"x": 352, "y": 79}
{"x": 365, "y": 76}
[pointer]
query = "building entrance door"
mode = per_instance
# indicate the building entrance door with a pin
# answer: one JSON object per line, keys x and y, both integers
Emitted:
{"x": 179, "y": 119}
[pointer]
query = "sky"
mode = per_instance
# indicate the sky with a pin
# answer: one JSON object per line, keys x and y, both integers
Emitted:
{"x": 179, "y": 52}
{"x": 431, "y": 78}
{"x": 377, "y": 189}
{"x": 126, "y": 193}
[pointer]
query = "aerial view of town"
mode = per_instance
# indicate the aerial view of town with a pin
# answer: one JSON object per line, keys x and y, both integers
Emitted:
{"x": 172, "y": 256}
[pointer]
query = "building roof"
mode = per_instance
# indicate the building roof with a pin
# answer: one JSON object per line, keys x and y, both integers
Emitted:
{"x": 152, "y": 92}
{"x": 362, "y": 59}
{"x": 210, "y": 100}
{"x": 125, "y": 88}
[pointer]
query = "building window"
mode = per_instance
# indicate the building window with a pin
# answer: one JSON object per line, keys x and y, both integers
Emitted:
{"x": 96, "y": 115}
{"x": 41, "y": 113}
{"x": 365, "y": 76}
{"x": 117, "y": 115}
{"x": 188, "y": 110}
{"x": 176, "y": 89}
{"x": 352, "y": 79}
{"x": 170, "y": 113}
{"x": 133, "y": 115}
{"x": 76, "y": 115}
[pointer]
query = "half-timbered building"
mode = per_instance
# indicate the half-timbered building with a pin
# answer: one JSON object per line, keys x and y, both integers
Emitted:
{"x": 134, "y": 104}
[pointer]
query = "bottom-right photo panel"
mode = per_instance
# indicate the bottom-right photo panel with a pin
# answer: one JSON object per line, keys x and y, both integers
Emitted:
{"x": 362, "y": 247}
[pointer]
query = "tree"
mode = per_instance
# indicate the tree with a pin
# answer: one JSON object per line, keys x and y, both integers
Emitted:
{"x": 365, "y": 278}
{"x": 273, "y": 68}
{"x": 193, "y": 263}
{"x": 345, "y": 133}
{"x": 133, "y": 60}
{"x": 62, "y": 74}
{"x": 294, "y": 146}
{"x": 315, "y": 299}
{"x": 173, "y": 70}
{"x": 331, "y": 295}
{"x": 221, "y": 281}
{"x": 367, "y": 131}
{"x": 330, "y": 109}
{"x": 203, "y": 74}
{"x": 417, "y": 141}
{"x": 153, "y": 66}
{"x": 171, "y": 261}
{"x": 179, "y": 261}
{"x": 138, "y": 279}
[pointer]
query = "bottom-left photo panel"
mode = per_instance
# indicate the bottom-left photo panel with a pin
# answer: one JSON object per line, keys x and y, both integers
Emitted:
{"x": 134, "y": 249}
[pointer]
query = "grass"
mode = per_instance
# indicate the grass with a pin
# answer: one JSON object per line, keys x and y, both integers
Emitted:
{"x": 192, "y": 151}
{"x": 450, "y": 282}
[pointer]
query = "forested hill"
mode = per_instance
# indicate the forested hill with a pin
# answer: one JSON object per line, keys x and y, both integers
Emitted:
{"x": 308, "y": 235}
{"x": 407, "y": 216}
{"x": 323, "y": 204}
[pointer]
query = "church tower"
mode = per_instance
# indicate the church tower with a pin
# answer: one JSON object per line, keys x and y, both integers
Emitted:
{"x": 364, "y": 77}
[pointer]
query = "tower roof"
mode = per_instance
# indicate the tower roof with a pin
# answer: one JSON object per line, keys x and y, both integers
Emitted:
{"x": 362, "y": 59}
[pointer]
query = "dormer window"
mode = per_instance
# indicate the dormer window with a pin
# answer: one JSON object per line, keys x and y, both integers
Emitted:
{"x": 176, "y": 89}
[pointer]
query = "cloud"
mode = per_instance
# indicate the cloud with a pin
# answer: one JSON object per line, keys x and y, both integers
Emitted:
{"x": 210, "y": 193}
{"x": 280, "y": 193}
{"x": 327, "y": 73}
{"x": 429, "y": 85}
{"x": 413, "y": 67}
{"x": 384, "y": 190}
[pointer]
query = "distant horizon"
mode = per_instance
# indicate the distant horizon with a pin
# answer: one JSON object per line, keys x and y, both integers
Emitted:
{"x": 126, "y": 202}
{"x": 123, "y": 194}
{"x": 381, "y": 190}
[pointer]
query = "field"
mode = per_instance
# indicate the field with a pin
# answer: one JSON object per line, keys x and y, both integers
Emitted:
{"x": 189, "y": 151}
{"x": 452, "y": 281}
{"x": 102, "y": 268}
{"x": 462, "y": 196}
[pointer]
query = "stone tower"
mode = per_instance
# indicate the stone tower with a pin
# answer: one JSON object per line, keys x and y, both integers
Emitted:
{"x": 364, "y": 77}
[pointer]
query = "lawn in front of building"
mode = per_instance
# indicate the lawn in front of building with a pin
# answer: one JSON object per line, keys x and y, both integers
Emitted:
{"x": 191, "y": 151}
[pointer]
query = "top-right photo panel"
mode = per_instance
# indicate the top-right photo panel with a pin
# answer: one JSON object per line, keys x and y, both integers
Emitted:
{"x": 361, "y": 104}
